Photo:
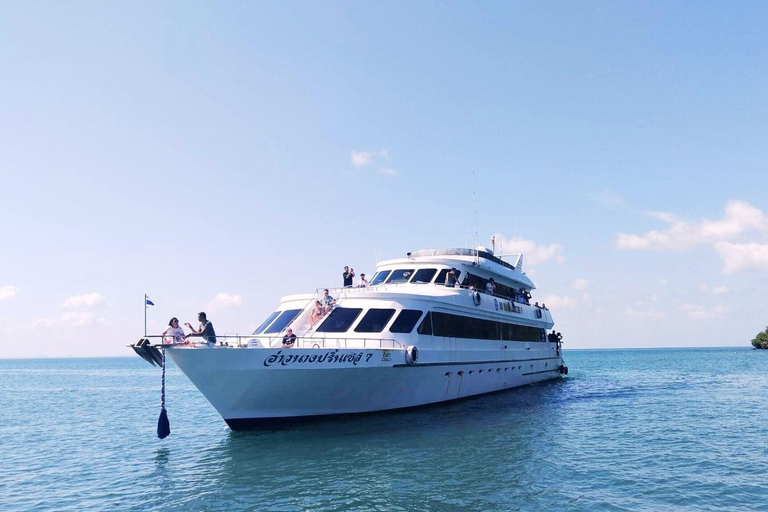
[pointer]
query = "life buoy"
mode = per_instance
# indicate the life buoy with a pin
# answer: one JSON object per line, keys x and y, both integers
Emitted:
{"x": 476, "y": 298}
{"x": 411, "y": 355}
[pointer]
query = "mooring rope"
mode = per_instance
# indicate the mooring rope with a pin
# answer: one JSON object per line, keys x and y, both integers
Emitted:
{"x": 163, "y": 426}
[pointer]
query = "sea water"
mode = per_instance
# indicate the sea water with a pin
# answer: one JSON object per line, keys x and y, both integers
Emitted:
{"x": 657, "y": 430}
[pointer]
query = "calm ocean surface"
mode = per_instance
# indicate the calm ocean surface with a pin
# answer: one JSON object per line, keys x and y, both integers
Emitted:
{"x": 673, "y": 429}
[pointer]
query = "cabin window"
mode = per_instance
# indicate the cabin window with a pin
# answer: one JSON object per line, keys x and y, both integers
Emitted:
{"x": 340, "y": 320}
{"x": 444, "y": 272}
{"x": 266, "y": 322}
{"x": 406, "y": 320}
{"x": 374, "y": 320}
{"x": 400, "y": 276}
{"x": 500, "y": 289}
{"x": 426, "y": 325}
{"x": 380, "y": 277}
{"x": 455, "y": 326}
{"x": 424, "y": 275}
{"x": 283, "y": 320}
{"x": 511, "y": 332}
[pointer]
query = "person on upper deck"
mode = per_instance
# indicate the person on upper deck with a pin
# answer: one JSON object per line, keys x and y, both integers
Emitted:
{"x": 316, "y": 313}
{"x": 327, "y": 301}
{"x": 205, "y": 330}
{"x": 490, "y": 286}
{"x": 450, "y": 278}
{"x": 348, "y": 275}
{"x": 363, "y": 281}
{"x": 289, "y": 339}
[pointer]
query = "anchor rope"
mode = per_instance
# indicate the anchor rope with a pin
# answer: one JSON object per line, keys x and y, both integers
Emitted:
{"x": 162, "y": 386}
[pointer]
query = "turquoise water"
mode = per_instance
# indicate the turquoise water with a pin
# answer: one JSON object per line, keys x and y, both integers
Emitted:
{"x": 674, "y": 429}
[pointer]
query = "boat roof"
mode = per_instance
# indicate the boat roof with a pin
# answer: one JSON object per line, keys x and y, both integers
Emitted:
{"x": 467, "y": 258}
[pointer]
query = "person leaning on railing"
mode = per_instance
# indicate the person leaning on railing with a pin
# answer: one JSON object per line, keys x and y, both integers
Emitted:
{"x": 289, "y": 339}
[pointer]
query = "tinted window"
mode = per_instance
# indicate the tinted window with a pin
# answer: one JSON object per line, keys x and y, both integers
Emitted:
{"x": 283, "y": 320}
{"x": 441, "y": 276}
{"x": 424, "y": 275}
{"x": 266, "y": 322}
{"x": 380, "y": 277}
{"x": 400, "y": 276}
{"x": 406, "y": 320}
{"x": 426, "y": 325}
{"x": 520, "y": 333}
{"x": 374, "y": 320}
{"x": 339, "y": 320}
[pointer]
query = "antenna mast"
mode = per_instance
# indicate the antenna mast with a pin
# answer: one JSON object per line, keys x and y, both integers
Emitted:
{"x": 474, "y": 200}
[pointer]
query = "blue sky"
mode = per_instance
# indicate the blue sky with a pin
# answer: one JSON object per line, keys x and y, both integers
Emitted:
{"x": 218, "y": 156}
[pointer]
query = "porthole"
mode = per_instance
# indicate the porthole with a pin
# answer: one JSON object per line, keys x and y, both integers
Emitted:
{"x": 481, "y": 371}
{"x": 471, "y": 372}
{"x": 447, "y": 374}
{"x": 460, "y": 374}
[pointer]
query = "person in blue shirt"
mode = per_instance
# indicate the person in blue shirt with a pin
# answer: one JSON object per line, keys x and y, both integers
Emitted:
{"x": 327, "y": 301}
{"x": 205, "y": 330}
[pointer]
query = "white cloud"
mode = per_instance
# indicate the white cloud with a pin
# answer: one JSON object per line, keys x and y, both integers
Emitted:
{"x": 224, "y": 300}
{"x": 738, "y": 257}
{"x": 6, "y": 292}
{"x": 361, "y": 158}
{"x": 740, "y": 217}
{"x": 78, "y": 318}
{"x": 378, "y": 160}
{"x": 580, "y": 284}
{"x": 88, "y": 299}
{"x": 717, "y": 290}
{"x": 663, "y": 282}
{"x": 533, "y": 253}
{"x": 639, "y": 313}
{"x": 607, "y": 198}
{"x": 699, "y": 312}
{"x": 558, "y": 302}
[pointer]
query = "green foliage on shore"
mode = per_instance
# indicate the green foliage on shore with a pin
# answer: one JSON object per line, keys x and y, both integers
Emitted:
{"x": 761, "y": 340}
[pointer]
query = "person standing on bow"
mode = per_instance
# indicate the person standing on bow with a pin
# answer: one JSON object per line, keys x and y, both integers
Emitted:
{"x": 205, "y": 330}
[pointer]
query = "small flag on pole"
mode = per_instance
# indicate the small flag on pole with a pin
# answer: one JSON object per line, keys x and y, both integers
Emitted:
{"x": 149, "y": 302}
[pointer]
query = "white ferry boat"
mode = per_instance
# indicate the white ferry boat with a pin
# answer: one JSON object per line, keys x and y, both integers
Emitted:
{"x": 407, "y": 339}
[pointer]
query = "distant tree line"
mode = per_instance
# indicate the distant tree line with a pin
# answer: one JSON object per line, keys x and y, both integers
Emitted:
{"x": 761, "y": 340}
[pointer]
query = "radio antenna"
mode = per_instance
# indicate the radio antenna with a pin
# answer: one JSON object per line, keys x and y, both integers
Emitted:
{"x": 474, "y": 200}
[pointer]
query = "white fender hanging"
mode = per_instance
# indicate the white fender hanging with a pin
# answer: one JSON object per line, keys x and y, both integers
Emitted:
{"x": 411, "y": 354}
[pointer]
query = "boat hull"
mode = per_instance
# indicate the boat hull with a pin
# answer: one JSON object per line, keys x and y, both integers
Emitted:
{"x": 253, "y": 388}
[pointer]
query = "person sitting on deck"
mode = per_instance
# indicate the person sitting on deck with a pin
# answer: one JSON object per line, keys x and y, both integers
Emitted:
{"x": 327, "y": 301}
{"x": 289, "y": 339}
{"x": 316, "y": 314}
{"x": 174, "y": 331}
{"x": 205, "y": 330}
{"x": 363, "y": 283}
